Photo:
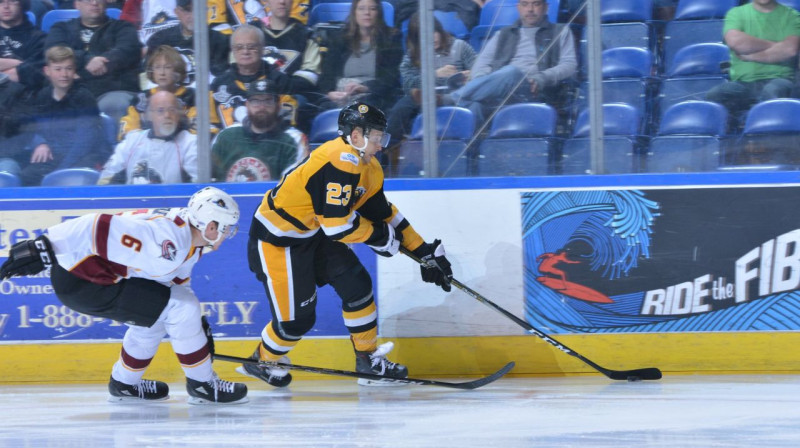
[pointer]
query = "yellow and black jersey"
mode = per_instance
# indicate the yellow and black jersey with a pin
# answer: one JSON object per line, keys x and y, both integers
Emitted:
{"x": 334, "y": 190}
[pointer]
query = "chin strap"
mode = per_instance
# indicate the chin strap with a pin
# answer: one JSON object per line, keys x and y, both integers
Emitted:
{"x": 361, "y": 149}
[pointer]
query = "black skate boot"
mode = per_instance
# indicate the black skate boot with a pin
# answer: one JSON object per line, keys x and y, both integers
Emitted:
{"x": 274, "y": 376}
{"x": 145, "y": 390}
{"x": 216, "y": 391}
{"x": 376, "y": 363}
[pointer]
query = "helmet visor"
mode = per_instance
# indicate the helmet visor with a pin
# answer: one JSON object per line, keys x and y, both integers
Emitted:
{"x": 379, "y": 136}
{"x": 228, "y": 231}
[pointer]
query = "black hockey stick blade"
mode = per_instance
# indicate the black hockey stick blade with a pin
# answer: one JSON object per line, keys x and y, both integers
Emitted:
{"x": 369, "y": 376}
{"x": 649, "y": 373}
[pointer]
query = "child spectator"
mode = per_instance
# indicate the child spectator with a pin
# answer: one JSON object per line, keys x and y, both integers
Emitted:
{"x": 66, "y": 116}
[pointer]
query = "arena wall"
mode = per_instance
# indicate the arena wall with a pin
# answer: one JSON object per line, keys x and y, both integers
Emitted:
{"x": 689, "y": 273}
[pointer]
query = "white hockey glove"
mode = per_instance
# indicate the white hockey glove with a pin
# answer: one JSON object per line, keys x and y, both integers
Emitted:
{"x": 28, "y": 257}
{"x": 435, "y": 267}
{"x": 385, "y": 242}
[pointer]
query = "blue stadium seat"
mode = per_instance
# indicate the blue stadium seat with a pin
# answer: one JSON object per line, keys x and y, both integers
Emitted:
{"x": 771, "y": 135}
{"x": 689, "y": 138}
{"x": 680, "y": 33}
{"x": 71, "y": 177}
{"x": 480, "y": 34}
{"x": 60, "y": 15}
{"x": 31, "y": 17}
{"x": 676, "y": 90}
{"x": 613, "y": 35}
{"x": 791, "y": 3}
{"x": 499, "y": 13}
{"x": 324, "y": 127}
{"x": 455, "y": 127}
{"x": 773, "y": 116}
{"x": 452, "y": 23}
{"x": 521, "y": 142}
{"x": 626, "y": 11}
{"x": 621, "y": 142}
{"x": 703, "y": 9}
{"x": 338, "y": 12}
{"x": 109, "y": 129}
{"x": 627, "y": 62}
{"x": 702, "y": 59}
{"x": 9, "y": 180}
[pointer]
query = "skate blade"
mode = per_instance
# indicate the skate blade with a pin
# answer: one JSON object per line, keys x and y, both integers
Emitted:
{"x": 113, "y": 399}
{"x": 203, "y": 401}
{"x": 380, "y": 383}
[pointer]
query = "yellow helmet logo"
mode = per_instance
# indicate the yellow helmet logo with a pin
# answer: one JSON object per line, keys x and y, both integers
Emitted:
{"x": 363, "y": 108}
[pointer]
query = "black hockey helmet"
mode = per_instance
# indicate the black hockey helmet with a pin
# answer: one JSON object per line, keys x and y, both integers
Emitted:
{"x": 360, "y": 115}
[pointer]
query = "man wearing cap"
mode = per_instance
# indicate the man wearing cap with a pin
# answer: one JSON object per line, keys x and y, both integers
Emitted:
{"x": 263, "y": 146}
{"x": 21, "y": 45}
{"x": 181, "y": 38}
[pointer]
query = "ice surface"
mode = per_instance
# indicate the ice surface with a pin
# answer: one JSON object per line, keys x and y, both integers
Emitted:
{"x": 678, "y": 411}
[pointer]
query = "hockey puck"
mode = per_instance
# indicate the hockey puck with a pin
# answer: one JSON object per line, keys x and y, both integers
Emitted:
{"x": 633, "y": 378}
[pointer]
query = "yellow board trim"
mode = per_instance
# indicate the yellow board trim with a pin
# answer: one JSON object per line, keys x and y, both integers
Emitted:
{"x": 708, "y": 353}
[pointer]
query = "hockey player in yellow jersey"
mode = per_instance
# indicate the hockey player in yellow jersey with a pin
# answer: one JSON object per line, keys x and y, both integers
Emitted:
{"x": 298, "y": 241}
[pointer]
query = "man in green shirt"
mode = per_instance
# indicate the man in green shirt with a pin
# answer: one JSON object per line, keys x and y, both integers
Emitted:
{"x": 764, "y": 38}
{"x": 263, "y": 146}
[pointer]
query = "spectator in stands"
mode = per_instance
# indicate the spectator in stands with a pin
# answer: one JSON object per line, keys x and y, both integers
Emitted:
{"x": 291, "y": 46}
{"x": 453, "y": 57}
{"x": 229, "y": 89}
{"x": 167, "y": 70}
{"x": 263, "y": 147}
{"x": 182, "y": 39}
{"x": 164, "y": 154}
{"x": 108, "y": 54}
{"x": 21, "y": 45}
{"x": 764, "y": 38}
{"x": 65, "y": 114}
{"x": 16, "y": 146}
{"x": 149, "y": 16}
{"x": 240, "y": 12}
{"x": 468, "y": 11}
{"x": 523, "y": 62}
{"x": 363, "y": 62}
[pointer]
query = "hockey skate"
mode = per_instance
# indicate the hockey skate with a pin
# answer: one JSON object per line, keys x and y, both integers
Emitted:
{"x": 272, "y": 375}
{"x": 377, "y": 364}
{"x": 216, "y": 391}
{"x": 145, "y": 390}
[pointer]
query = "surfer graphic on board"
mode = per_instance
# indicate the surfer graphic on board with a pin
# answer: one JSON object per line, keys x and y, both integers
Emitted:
{"x": 557, "y": 278}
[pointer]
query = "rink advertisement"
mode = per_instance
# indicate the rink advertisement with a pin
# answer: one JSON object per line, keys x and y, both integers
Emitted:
{"x": 229, "y": 294}
{"x": 678, "y": 260}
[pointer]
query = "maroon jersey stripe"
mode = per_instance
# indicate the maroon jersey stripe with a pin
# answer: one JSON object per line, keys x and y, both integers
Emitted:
{"x": 101, "y": 235}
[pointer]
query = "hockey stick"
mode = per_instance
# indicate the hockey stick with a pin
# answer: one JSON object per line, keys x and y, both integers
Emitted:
{"x": 649, "y": 373}
{"x": 370, "y": 376}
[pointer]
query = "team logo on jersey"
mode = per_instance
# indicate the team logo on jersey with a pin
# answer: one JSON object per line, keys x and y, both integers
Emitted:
{"x": 248, "y": 169}
{"x": 168, "y": 250}
{"x": 347, "y": 157}
{"x": 360, "y": 191}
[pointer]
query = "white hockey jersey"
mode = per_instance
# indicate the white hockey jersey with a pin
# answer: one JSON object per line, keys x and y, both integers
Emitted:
{"x": 101, "y": 248}
{"x": 147, "y": 160}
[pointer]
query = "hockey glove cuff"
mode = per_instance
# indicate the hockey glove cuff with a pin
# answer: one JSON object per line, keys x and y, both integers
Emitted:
{"x": 28, "y": 257}
{"x": 385, "y": 241}
{"x": 435, "y": 267}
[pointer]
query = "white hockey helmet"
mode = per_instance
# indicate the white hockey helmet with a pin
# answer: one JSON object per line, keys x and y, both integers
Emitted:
{"x": 212, "y": 204}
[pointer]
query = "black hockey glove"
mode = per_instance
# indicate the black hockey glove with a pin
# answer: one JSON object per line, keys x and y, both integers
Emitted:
{"x": 435, "y": 267}
{"x": 28, "y": 257}
{"x": 209, "y": 334}
{"x": 384, "y": 241}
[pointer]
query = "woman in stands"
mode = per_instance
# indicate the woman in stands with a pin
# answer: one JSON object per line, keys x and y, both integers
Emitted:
{"x": 453, "y": 59}
{"x": 362, "y": 63}
{"x": 166, "y": 69}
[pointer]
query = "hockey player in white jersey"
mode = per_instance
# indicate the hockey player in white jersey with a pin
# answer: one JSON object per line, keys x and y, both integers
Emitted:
{"x": 134, "y": 267}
